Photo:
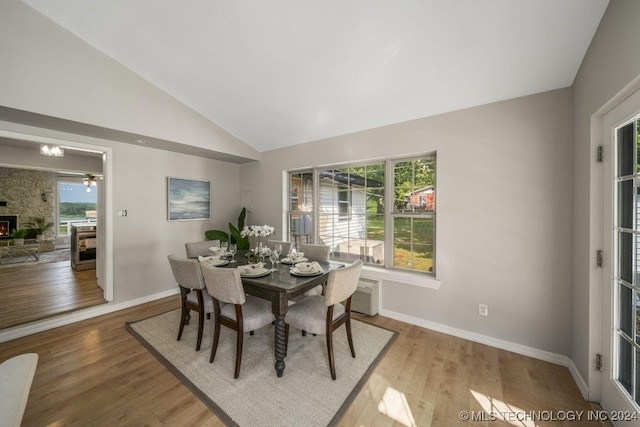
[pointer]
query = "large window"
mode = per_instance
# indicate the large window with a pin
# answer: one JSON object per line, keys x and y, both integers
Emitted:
{"x": 354, "y": 219}
{"x": 75, "y": 204}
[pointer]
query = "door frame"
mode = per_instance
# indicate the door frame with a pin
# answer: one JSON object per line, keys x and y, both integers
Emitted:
{"x": 105, "y": 232}
{"x": 602, "y": 386}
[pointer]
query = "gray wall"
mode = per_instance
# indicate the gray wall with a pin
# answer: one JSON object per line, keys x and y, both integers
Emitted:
{"x": 611, "y": 63}
{"x": 504, "y": 213}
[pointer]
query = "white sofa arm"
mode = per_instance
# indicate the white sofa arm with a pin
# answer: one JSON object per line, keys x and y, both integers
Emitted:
{"x": 16, "y": 376}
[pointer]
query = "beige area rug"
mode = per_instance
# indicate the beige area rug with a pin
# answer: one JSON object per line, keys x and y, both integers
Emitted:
{"x": 304, "y": 396}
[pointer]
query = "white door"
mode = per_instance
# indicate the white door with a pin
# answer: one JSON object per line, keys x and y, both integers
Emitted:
{"x": 620, "y": 392}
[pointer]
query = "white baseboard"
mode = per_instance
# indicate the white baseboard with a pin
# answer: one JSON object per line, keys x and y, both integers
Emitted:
{"x": 77, "y": 316}
{"x": 547, "y": 356}
{"x": 580, "y": 382}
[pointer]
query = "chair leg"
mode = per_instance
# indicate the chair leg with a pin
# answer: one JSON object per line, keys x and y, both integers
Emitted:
{"x": 216, "y": 337}
{"x": 200, "y": 328}
{"x": 329, "y": 327}
{"x": 350, "y": 336}
{"x": 332, "y": 362}
{"x": 183, "y": 320}
{"x": 239, "y": 340}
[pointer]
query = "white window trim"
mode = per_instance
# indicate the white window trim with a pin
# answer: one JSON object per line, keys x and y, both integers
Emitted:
{"x": 420, "y": 280}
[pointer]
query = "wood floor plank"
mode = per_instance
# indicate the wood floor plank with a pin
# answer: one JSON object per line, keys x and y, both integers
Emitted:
{"x": 34, "y": 292}
{"x": 94, "y": 373}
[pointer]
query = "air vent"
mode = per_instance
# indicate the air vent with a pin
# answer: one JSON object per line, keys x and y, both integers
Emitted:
{"x": 366, "y": 298}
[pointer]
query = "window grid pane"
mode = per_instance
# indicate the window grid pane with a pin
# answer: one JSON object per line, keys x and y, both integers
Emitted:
{"x": 346, "y": 198}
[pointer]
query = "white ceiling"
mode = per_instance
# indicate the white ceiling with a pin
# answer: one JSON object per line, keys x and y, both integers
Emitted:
{"x": 282, "y": 72}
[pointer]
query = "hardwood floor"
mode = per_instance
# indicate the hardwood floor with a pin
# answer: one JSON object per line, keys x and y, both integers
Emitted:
{"x": 40, "y": 291}
{"x": 94, "y": 373}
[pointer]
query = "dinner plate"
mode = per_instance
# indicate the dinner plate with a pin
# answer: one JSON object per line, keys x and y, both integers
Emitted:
{"x": 297, "y": 272}
{"x": 290, "y": 262}
{"x": 258, "y": 272}
{"x": 217, "y": 262}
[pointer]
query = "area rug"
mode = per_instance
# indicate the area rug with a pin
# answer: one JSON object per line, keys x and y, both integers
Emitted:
{"x": 59, "y": 255}
{"x": 304, "y": 396}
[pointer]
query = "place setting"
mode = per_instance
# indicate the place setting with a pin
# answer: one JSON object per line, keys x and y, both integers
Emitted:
{"x": 294, "y": 258}
{"x": 307, "y": 269}
{"x": 254, "y": 270}
{"x": 214, "y": 260}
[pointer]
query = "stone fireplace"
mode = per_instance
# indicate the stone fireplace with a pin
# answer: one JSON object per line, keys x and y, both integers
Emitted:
{"x": 7, "y": 223}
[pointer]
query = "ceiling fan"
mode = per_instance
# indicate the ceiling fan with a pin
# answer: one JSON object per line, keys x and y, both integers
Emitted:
{"x": 90, "y": 180}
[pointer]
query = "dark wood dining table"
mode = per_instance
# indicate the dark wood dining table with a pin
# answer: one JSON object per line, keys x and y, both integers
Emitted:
{"x": 279, "y": 287}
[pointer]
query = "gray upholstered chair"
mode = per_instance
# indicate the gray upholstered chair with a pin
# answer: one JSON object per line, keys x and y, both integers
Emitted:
{"x": 321, "y": 315}
{"x": 193, "y": 294}
{"x": 315, "y": 253}
{"x": 196, "y": 249}
{"x": 285, "y": 246}
{"x": 240, "y": 313}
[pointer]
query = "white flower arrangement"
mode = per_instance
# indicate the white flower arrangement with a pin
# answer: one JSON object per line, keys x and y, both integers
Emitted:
{"x": 257, "y": 231}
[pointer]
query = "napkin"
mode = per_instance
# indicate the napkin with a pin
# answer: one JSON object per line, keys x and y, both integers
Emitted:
{"x": 293, "y": 258}
{"x": 207, "y": 258}
{"x": 215, "y": 249}
{"x": 309, "y": 267}
{"x": 251, "y": 268}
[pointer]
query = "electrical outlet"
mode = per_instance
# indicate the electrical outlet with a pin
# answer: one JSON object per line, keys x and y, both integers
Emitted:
{"x": 483, "y": 309}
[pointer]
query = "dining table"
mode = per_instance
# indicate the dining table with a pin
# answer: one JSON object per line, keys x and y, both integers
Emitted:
{"x": 279, "y": 287}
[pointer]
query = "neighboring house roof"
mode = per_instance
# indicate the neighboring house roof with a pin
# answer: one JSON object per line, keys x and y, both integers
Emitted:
{"x": 349, "y": 179}
{"x": 423, "y": 189}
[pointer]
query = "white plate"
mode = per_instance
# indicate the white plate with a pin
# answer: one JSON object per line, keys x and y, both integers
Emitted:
{"x": 258, "y": 272}
{"x": 217, "y": 262}
{"x": 296, "y": 272}
{"x": 290, "y": 262}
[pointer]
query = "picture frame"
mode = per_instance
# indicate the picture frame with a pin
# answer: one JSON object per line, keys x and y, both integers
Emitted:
{"x": 188, "y": 199}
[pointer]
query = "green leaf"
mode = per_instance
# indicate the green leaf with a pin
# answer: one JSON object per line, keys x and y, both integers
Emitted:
{"x": 217, "y": 235}
{"x": 243, "y": 214}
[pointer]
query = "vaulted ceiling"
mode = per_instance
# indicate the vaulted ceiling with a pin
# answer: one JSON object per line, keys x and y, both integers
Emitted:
{"x": 282, "y": 72}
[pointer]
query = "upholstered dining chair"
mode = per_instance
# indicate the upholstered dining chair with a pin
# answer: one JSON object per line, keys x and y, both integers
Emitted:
{"x": 285, "y": 245}
{"x": 193, "y": 294}
{"x": 323, "y": 314}
{"x": 315, "y": 253}
{"x": 240, "y": 313}
{"x": 196, "y": 249}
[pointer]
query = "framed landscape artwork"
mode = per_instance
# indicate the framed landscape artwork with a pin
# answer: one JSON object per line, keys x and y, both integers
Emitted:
{"x": 188, "y": 199}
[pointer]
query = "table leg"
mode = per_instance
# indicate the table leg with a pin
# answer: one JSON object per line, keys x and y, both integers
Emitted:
{"x": 279, "y": 305}
{"x": 280, "y": 345}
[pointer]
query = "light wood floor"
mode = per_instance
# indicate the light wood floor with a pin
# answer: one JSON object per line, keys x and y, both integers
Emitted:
{"x": 40, "y": 291}
{"x": 94, "y": 373}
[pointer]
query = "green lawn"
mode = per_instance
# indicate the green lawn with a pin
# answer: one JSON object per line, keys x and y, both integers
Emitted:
{"x": 422, "y": 241}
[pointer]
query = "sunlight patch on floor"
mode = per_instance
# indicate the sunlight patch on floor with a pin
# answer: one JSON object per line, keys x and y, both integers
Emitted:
{"x": 498, "y": 410}
{"x": 395, "y": 406}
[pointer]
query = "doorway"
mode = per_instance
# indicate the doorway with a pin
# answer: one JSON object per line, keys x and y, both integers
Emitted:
{"x": 103, "y": 273}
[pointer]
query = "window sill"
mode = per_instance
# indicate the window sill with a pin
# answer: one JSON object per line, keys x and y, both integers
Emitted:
{"x": 419, "y": 280}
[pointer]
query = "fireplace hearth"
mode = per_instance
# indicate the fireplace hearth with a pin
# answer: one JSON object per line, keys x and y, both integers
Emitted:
{"x": 7, "y": 223}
